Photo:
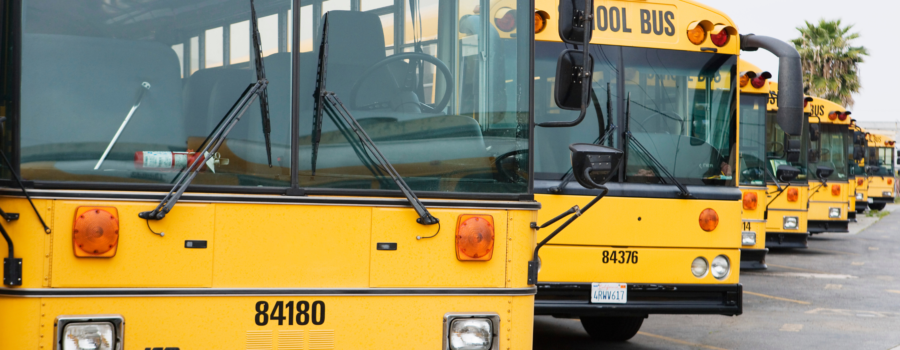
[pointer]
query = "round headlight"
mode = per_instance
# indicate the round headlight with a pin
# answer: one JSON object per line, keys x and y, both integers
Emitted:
{"x": 699, "y": 267}
{"x": 720, "y": 267}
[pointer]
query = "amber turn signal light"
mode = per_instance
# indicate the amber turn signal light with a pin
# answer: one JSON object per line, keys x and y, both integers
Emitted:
{"x": 709, "y": 219}
{"x": 540, "y": 21}
{"x": 750, "y": 199}
{"x": 890, "y": 181}
{"x": 475, "y": 237}
{"x": 696, "y": 33}
{"x": 836, "y": 190}
{"x": 859, "y": 182}
{"x": 95, "y": 233}
{"x": 793, "y": 194}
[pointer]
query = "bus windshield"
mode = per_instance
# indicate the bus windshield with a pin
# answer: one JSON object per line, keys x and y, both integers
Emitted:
{"x": 831, "y": 150}
{"x": 162, "y": 74}
{"x": 682, "y": 110}
{"x": 753, "y": 138}
{"x": 882, "y": 158}
{"x": 777, "y": 139}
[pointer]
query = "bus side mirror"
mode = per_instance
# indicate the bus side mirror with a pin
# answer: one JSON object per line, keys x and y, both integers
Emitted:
{"x": 871, "y": 170}
{"x": 858, "y": 153}
{"x": 786, "y": 173}
{"x": 570, "y": 79}
{"x": 823, "y": 172}
{"x": 792, "y": 151}
{"x": 814, "y": 132}
{"x": 574, "y": 17}
{"x": 593, "y": 165}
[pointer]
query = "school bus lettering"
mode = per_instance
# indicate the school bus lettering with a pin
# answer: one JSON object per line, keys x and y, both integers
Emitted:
{"x": 282, "y": 311}
{"x": 817, "y": 110}
{"x": 653, "y": 20}
{"x": 773, "y": 98}
{"x": 614, "y": 19}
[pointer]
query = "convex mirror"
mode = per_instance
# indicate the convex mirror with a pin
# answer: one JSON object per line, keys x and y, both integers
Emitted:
{"x": 786, "y": 173}
{"x": 571, "y": 76}
{"x": 593, "y": 165}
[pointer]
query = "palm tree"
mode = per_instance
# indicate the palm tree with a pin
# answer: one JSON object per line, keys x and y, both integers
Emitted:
{"x": 830, "y": 63}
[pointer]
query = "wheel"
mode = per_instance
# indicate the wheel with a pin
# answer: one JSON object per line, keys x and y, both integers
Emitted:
{"x": 612, "y": 328}
{"x": 860, "y": 209}
{"x": 877, "y": 206}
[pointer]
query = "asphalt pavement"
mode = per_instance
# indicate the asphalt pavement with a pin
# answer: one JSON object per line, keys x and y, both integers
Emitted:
{"x": 841, "y": 293}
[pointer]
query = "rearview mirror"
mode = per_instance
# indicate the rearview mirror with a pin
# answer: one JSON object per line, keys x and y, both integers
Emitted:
{"x": 570, "y": 79}
{"x": 792, "y": 150}
{"x": 593, "y": 165}
{"x": 823, "y": 172}
{"x": 814, "y": 132}
{"x": 786, "y": 173}
{"x": 574, "y": 17}
{"x": 858, "y": 153}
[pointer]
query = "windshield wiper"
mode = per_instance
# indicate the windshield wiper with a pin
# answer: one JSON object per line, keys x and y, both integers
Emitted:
{"x": 655, "y": 163}
{"x": 218, "y": 135}
{"x": 145, "y": 86}
{"x": 327, "y": 101}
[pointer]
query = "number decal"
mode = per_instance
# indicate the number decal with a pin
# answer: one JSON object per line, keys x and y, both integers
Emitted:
{"x": 620, "y": 256}
{"x": 261, "y": 308}
{"x": 747, "y": 226}
{"x": 282, "y": 311}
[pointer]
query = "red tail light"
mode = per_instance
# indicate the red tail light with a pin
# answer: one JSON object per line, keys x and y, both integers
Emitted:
{"x": 505, "y": 19}
{"x": 843, "y": 116}
{"x": 833, "y": 115}
{"x": 720, "y": 39}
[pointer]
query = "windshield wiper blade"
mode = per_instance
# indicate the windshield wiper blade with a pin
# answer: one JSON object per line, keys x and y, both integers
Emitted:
{"x": 655, "y": 163}
{"x": 145, "y": 86}
{"x": 261, "y": 76}
{"x": 220, "y": 133}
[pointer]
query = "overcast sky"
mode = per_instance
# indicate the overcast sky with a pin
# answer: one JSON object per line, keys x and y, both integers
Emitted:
{"x": 874, "y": 20}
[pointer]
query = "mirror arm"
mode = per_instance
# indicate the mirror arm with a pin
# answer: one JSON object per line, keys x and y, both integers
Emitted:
{"x": 586, "y": 73}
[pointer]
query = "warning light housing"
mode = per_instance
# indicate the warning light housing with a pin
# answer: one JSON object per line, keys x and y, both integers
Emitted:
{"x": 696, "y": 32}
{"x": 709, "y": 219}
{"x": 95, "y": 232}
{"x": 474, "y": 237}
{"x": 793, "y": 194}
{"x": 836, "y": 190}
{"x": 540, "y": 21}
{"x": 859, "y": 182}
{"x": 750, "y": 200}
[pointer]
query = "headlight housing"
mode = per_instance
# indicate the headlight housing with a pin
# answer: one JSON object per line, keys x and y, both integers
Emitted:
{"x": 834, "y": 213}
{"x": 471, "y": 331}
{"x": 699, "y": 267}
{"x": 887, "y": 194}
{"x": 859, "y": 196}
{"x": 791, "y": 222}
{"x": 748, "y": 238}
{"x": 90, "y": 332}
{"x": 720, "y": 267}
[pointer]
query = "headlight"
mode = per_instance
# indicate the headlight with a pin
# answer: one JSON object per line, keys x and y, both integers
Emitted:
{"x": 834, "y": 212}
{"x": 720, "y": 267}
{"x": 887, "y": 194}
{"x": 471, "y": 334}
{"x": 859, "y": 196}
{"x": 791, "y": 222}
{"x": 699, "y": 267}
{"x": 748, "y": 238}
{"x": 89, "y": 332}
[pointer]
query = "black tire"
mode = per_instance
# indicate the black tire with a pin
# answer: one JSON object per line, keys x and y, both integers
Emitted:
{"x": 877, "y": 206}
{"x": 612, "y": 328}
{"x": 860, "y": 210}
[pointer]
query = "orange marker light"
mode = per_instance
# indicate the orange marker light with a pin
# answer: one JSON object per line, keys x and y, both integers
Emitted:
{"x": 95, "y": 233}
{"x": 540, "y": 21}
{"x": 744, "y": 80}
{"x": 475, "y": 237}
{"x": 697, "y": 34}
{"x": 709, "y": 219}
{"x": 859, "y": 182}
{"x": 750, "y": 201}
{"x": 793, "y": 194}
{"x": 836, "y": 190}
{"x": 890, "y": 181}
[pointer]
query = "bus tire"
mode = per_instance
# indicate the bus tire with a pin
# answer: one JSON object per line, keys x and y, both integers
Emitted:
{"x": 612, "y": 328}
{"x": 877, "y": 206}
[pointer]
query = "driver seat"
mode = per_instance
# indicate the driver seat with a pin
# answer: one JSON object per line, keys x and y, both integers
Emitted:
{"x": 355, "y": 43}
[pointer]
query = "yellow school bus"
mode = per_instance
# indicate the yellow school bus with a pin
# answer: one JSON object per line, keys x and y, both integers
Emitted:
{"x": 855, "y": 155}
{"x": 667, "y": 237}
{"x": 366, "y": 184}
{"x": 829, "y": 195}
{"x": 773, "y": 175}
{"x": 860, "y": 149}
{"x": 880, "y": 168}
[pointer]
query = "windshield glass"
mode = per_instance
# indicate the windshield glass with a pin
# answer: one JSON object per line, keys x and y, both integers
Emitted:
{"x": 831, "y": 150}
{"x": 881, "y": 157}
{"x": 776, "y": 139}
{"x": 685, "y": 123}
{"x": 448, "y": 120}
{"x": 753, "y": 137}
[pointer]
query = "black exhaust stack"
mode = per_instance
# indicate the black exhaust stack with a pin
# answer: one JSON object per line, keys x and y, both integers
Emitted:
{"x": 790, "y": 80}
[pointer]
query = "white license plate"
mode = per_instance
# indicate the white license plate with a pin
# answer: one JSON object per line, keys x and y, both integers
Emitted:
{"x": 609, "y": 293}
{"x": 870, "y": 200}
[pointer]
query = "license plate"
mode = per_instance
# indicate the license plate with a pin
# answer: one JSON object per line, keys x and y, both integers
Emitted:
{"x": 870, "y": 200}
{"x": 609, "y": 293}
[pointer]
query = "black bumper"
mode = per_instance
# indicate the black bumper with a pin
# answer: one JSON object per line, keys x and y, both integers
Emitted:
{"x": 787, "y": 240}
{"x": 574, "y": 300}
{"x": 817, "y": 226}
{"x": 862, "y": 205}
{"x": 879, "y": 200}
{"x": 753, "y": 259}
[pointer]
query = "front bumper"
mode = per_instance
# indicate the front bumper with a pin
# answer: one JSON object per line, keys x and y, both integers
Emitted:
{"x": 819, "y": 226}
{"x": 753, "y": 259}
{"x": 880, "y": 200}
{"x": 861, "y": 205}
{"x": 851, "y": 215}
{"x": 787, "y": 240}
{"x": 573, "y": 300}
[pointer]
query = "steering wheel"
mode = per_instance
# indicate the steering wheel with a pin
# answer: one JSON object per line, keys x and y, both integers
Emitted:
{"x": 412, "y": 56}
{"x": 504, "y": 175}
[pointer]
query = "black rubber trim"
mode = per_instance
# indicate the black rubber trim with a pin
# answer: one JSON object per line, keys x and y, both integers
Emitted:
{"x": 787, "y": 240}
{"x": 278, "y": 199}
{"x": 617, "y": 189}
{"x": 169, "y": 292}
{"x": 819, "y": 226}
{"x": 879, "y": 200}
{"x": 753, "y": 254}
{"x": 573, "y": 300}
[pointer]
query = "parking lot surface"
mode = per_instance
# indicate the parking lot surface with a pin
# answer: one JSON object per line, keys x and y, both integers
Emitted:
{"x": 841, "y": 293}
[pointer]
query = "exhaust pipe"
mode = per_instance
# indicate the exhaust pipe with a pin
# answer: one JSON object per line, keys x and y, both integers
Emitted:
{"x": 790, "y": 80}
